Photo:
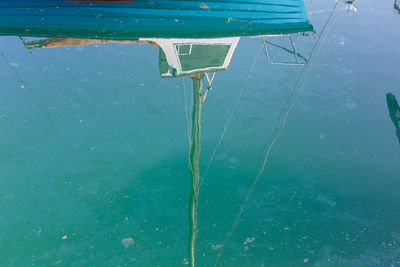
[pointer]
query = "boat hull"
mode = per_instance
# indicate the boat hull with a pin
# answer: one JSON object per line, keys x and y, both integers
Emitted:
{"x": 143, "y": 18}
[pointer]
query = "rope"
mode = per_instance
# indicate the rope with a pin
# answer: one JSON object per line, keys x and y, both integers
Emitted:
{"x": 275, "y": 136}
{"x": 244, "y": 84}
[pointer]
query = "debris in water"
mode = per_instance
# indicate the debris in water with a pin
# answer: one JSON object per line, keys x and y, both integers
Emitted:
{"x": 127, "y": 242}
{"x": 64, "y": 237}
{"x": 350, "y": 104}
{"x": 216, "y": 246}
{"x": 249, "y": 240}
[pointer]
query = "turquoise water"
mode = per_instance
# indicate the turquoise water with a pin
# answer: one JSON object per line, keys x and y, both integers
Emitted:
{"x": 94, "y": 152}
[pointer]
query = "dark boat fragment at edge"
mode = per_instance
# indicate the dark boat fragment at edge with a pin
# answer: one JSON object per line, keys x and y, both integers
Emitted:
{"x": 394, "y": 112}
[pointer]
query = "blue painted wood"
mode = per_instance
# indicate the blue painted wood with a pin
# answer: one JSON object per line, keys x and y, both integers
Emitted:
{"x": 147, "y": 18}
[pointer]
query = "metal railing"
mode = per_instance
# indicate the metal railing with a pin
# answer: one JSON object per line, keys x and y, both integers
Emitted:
{"x": 299, "y": 59}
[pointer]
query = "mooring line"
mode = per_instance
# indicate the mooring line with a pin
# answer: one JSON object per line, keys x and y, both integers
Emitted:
{"x": 276, "y": 134}
{"x": 235, "y": 106}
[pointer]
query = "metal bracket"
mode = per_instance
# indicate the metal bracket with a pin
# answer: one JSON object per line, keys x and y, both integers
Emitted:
{"x": 300, "y": 60}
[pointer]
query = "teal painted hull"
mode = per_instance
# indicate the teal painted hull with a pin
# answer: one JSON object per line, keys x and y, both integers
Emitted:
{"x": 159, "y": 18}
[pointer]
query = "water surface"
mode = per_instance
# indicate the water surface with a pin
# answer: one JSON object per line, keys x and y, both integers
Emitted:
{"x": 95, "y": 152}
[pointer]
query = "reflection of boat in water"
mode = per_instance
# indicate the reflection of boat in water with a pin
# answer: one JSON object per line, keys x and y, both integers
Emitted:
{"x": 197, "y": 58}
{"x": 177, "y": 56}
{"x": 194, "y": 38}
